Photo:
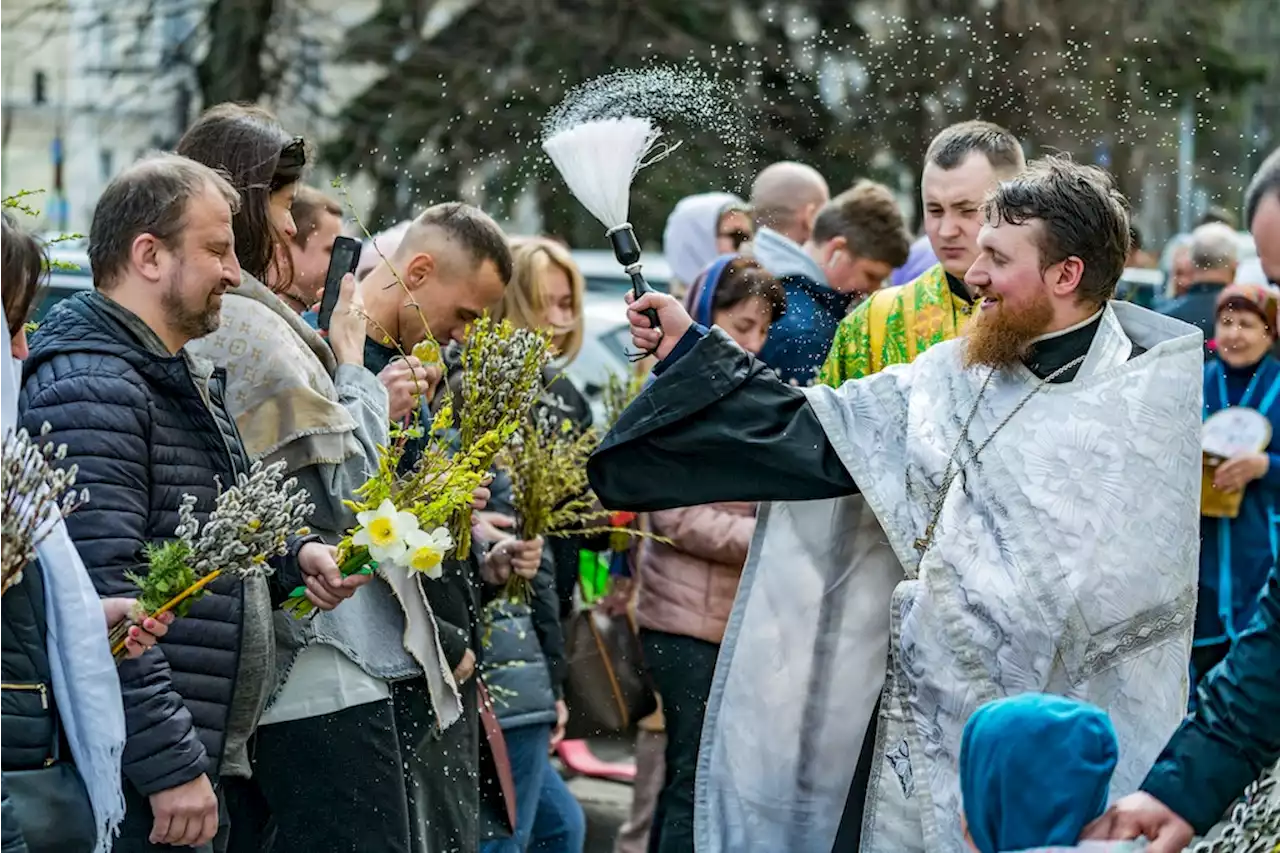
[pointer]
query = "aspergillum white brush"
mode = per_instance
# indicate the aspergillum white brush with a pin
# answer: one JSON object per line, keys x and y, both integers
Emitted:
{"x": 598, "y": 160}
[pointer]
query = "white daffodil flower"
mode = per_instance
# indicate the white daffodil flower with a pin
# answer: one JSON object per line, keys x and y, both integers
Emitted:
{"x": 385, "y": 531}
{"x": 427, "y": 551}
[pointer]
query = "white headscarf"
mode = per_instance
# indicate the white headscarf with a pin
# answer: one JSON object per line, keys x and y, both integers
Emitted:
{"x": 85, "y": 682}
{"x": 689, "y": 241}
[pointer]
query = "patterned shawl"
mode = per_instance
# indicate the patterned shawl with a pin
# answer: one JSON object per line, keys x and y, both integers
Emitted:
{"x": 280, "y": 387}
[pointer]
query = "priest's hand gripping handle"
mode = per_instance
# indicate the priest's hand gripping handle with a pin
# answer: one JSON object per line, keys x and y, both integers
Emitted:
{"x": 626, "y": 248}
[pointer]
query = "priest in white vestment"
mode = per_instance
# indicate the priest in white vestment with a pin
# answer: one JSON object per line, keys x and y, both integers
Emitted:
{"x": 1028, "y": 522}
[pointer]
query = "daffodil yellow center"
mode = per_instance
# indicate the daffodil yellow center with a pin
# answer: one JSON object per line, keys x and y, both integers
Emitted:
{"x": 381, "y": 532}
{"x": 426, "y": 558}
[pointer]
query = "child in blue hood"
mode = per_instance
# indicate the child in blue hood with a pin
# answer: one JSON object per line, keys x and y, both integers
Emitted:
{"x": 1035, "y": 770}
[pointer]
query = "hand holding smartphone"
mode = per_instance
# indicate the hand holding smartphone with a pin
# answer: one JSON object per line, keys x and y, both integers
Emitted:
{"x": 343, "y": 260}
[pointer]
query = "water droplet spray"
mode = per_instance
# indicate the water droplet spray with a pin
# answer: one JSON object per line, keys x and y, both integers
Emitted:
{"x": 598, "y": 160}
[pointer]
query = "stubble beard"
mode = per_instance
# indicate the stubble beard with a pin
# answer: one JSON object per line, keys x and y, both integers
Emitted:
{"x": 189, "y": 323}
{"x": 1000, "y": 337}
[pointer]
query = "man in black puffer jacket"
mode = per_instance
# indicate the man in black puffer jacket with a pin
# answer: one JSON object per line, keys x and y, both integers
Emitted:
{"x": 146, "y": 424}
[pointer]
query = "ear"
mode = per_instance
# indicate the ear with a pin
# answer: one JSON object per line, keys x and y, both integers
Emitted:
{"x": 836, "y": 246}
{"x": 1064, "y": 276}
{"x": 420, "y": 268}
{"x": 145, "y": 256}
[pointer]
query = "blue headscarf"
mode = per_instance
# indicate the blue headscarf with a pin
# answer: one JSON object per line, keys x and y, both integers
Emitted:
{"x": 1034, "y": 771}
{"x": 700, "y": 299}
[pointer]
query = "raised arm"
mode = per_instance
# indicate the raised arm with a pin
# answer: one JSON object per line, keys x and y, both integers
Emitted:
{"x": 104, "y": 421}
{"x": 716, "y": 425}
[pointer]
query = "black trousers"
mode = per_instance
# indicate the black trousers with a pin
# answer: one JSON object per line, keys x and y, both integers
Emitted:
{"x": 682, "y": 669}
{"x": 441, "y": 770}
{"x": 335, "y": 783}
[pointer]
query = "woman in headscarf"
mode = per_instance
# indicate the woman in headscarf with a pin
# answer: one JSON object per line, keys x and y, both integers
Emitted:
{"x": 700, "y": 229}
{"x": 60, "y": 682}
{"x": 310, "y": 402}
{"x": 1237, "y": 552}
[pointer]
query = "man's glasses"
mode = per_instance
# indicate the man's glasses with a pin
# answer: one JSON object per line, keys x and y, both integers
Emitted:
{"x": 738, "y": 236}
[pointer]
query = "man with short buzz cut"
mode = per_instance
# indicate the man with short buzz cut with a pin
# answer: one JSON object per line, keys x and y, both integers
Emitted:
{"x": 1006, "y": 542}
{"x": 857, "y": 239}
{"x": 1212, "y": 251}
{"x": 451, "y": 265}
{"x": 145, "y": 422}
{"x": 963, "y": 163}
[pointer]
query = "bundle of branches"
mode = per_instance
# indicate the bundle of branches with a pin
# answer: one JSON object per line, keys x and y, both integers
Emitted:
{"x": 251, "y": 522}
{"x": 547, "y": 460}
{"x": 36, "y": 494}
{"x": 619, "y": 391}
{"x": 502, "y": 370}
{"x": 403, "y": 519}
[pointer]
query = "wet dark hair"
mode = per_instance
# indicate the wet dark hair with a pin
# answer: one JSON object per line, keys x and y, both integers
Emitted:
{"x": 248, "y": 144}
{"x": 954, "y": 144}
{"x": 23, "y": 270}
{"x": 1079, "y": 212}
{"x": 744, "y": 279}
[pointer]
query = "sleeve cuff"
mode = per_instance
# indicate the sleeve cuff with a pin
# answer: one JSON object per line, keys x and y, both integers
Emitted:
{"x": 692, "y": 335}
{"x": 1272, "y": 477}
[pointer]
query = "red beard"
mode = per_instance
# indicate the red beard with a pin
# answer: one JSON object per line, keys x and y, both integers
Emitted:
{"x": 1000, "y": 336}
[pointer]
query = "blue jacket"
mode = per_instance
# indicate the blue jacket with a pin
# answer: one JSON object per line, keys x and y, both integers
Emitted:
{"x": 1237, "y": 553}
{"x": 799, "y": 342}
{"x": 1199, "y": 307}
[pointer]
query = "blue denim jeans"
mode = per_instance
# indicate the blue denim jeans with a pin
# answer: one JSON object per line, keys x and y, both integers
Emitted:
{"x": 548, "y": 818}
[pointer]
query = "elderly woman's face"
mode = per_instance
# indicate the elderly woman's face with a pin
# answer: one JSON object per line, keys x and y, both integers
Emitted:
{"x": 735, "y": 228}
{"x": 1242, "y": 337}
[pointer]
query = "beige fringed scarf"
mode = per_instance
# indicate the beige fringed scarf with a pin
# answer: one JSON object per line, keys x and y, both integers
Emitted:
{"x": 280, "y": 385}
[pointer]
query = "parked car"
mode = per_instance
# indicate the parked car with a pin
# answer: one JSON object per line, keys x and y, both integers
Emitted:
{"x": 604, "y": 274}
{"x": 69, "y": 274}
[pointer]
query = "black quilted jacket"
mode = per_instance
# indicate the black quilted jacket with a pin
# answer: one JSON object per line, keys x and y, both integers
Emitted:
{"x": 143, "y": 435}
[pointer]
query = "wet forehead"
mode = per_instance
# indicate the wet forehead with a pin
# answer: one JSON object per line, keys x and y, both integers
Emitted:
{"x": 1006, "y": 237}
{"x": 967, "y": 183}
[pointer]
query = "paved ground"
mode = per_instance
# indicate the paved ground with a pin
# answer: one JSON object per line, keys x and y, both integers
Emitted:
{"x": 606, "y": 803}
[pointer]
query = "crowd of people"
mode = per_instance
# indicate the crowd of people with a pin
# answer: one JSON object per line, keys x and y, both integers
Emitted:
{"x": 925, "y": 566}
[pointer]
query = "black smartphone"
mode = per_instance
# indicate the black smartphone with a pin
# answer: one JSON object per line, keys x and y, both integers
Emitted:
{"x": 343, "y": 260}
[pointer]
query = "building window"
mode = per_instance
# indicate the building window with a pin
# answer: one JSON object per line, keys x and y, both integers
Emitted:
{"x": 106, "y": 164}
{"x": 40, "y": 85}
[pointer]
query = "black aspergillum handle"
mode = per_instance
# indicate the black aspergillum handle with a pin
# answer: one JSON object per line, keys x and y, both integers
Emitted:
{"x": 626, "y": 248}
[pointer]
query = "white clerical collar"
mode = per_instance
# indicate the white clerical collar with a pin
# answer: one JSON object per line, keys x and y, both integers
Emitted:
{"x": 1069, "y": 329}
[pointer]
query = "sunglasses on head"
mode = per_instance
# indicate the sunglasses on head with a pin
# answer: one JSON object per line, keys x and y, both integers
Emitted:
{"x": 293, "y": 159}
